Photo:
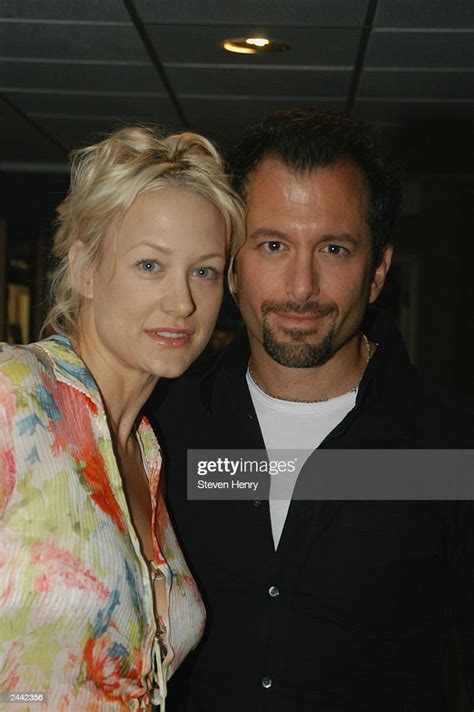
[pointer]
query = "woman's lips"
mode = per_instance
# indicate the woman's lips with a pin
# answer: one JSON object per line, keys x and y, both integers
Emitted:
{"x": 170, "y": 336}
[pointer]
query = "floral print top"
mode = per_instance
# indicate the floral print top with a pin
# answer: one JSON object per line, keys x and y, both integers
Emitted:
{"x": 77, "y": 617}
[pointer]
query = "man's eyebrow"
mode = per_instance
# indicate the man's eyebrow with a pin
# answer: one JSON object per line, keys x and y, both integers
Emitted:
{"x": 342, "y": 237}
{"x": 271, "y": 233}
{"x": 267, "y": 232}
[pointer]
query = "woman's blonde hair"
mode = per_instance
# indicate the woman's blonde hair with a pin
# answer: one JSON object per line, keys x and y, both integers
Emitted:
{"x": 107, "y": 177}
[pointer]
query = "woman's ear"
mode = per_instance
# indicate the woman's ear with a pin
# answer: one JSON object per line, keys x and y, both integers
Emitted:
{"x": 82, "y": 280}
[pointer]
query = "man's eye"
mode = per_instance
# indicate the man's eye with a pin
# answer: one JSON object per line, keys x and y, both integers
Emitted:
{"x": 148, "y": 266}
{"x": 272, "y": 246}
{"x": 205, "y": 272}
{"x": 335, "y": 250}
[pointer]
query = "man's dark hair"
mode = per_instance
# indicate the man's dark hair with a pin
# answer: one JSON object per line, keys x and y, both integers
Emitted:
{"x": 306, "y": 139}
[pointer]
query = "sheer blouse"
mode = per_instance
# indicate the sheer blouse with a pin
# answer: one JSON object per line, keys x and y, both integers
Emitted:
{"x": 77, "y": 618}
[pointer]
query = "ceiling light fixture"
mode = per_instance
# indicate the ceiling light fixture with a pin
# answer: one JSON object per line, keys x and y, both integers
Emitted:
{"x": 252, "y": 45}
{"x": 258, "y": 41}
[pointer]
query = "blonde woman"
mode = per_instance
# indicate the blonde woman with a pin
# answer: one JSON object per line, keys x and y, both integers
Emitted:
{"x": 98, "y": 607}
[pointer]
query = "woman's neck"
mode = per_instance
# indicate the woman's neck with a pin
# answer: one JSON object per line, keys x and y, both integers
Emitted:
{"x": 124, "y": 391}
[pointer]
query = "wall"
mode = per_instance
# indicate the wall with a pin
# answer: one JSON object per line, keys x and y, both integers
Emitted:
{"x": 442, "y": 236}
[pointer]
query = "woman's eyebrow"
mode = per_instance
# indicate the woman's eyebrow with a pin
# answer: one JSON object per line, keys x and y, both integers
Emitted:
{"x": 151, "y": 245}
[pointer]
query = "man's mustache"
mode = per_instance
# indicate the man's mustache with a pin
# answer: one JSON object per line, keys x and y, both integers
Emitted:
{"x": 305, "y": 308}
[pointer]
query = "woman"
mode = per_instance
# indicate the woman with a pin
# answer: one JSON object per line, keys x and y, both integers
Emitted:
{"x": 97, "y": 605}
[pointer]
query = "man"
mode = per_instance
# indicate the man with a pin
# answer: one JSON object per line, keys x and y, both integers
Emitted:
{"x": 325, "y": 606}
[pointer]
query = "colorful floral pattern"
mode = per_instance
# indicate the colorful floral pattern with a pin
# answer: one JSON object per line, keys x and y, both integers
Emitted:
{"x": 76, "y": 604}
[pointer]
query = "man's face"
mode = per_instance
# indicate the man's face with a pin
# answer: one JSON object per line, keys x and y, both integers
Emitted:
{"x": 305, "y": 275}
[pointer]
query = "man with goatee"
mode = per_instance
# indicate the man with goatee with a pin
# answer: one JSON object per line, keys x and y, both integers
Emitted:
{"x": 327, "y": 606}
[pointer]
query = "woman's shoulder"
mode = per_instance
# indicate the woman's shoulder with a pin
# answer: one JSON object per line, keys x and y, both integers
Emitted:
{"x": 21, "y": 365}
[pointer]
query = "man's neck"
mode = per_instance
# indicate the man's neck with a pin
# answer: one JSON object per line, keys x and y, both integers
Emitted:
{"x": 338, "y": 375}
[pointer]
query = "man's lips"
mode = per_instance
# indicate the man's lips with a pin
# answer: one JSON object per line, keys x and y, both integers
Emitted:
{"x": 298, "y": 319}
{"x": 170, "y": 335}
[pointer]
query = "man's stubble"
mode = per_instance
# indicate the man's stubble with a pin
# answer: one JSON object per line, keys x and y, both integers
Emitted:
{"x": 298, "y": 351}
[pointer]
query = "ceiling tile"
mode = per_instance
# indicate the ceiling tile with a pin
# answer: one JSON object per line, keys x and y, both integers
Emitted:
{"x": 412, "y": 142}
{"x": 130, "y": 108}
{"x": 99, "y": 10}
{"x": 425, "y": 13}
{"x": 260, "y": 82}
{"x": 225, "y": 121}
{"x": 79, "y": 77}
{"x": 19, "y": 141}
{"x": 336, "y": 13}
{"x": 79, "y": 66}
{"x": 416, "y": 113}
{"x": 420, "y": 49}
{"x": 416, "y": 84}
{"x": 42, "y": 40}
{"x": 308, "y": 46}
{"x": 75, "y": 132}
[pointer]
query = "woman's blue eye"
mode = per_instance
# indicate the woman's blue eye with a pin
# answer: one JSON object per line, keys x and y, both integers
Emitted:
{"x": 205, "y": 272}
{"x": 149, "y": 266}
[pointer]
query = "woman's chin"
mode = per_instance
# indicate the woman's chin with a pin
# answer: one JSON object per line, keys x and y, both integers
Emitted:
{"x": 172, "y": 370}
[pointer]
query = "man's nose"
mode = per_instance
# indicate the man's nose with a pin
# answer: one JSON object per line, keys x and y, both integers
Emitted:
{"x": 302, "y": 281}
{"x": 178, "y": 299}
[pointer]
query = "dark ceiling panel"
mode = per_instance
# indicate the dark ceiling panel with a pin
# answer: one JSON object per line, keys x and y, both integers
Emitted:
{"x": 420, "y": 49}
{"x": 136, "y": 108}
{"x": 425, "y": 13}
{"x": 19, "y": 141}
{"x": 336, "y": 13}
{"x": 310, "y": 46}
{"x": 103, "y": 10}
{"x": 261, "y": 82}
{"x": 75, "y": 132}
{"x": 417, "y": 84}
{"x": 70, "y": 41}
{"x": 79, "y": 77}
{"x": 79, "y": 66}
{"x": 417, "y": 113}
{"x": 225, "y": 121}
{"x": 413, "y": 148}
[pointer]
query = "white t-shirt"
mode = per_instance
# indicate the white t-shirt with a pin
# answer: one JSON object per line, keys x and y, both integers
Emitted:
{"x": 294, "y": 426}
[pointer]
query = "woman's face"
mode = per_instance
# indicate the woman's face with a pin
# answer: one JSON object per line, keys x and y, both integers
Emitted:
{"x": 152, "y": 302}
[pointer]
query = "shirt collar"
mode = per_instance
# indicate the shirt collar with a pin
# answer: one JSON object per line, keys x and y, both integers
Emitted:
{"x": 69, "y": 368}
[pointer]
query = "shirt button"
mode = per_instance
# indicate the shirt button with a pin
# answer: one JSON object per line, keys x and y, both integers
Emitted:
{"x": 266, "y": 682}
{"x": 257, "y": 502}
{"x": 273, "y": 591}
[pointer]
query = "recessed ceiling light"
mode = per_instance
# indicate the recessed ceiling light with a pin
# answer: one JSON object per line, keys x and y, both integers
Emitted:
{"x": 257, "y": 41}
{"x": 252, "y": 45}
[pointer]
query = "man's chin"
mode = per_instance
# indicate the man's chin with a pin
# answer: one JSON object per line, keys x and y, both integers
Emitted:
{"x": 297, "y": 354}
{"x": 305, "y": 337}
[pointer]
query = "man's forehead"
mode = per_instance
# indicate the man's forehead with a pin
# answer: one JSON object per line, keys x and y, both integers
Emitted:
{"x": 272, "y": 169}
{"x": 273, "y": 181}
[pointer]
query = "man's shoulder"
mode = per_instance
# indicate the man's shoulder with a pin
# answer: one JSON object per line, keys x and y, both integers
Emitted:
{"x": 183, "y": 400}
{"x": 176, "y": 393}
{"x": 437, "y": 393}
{"x": 442, "y": 409}
{"x": 194, "y": 391}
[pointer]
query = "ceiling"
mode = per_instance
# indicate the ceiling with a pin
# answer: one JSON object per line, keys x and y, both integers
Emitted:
{"x": 71, "y": 69}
